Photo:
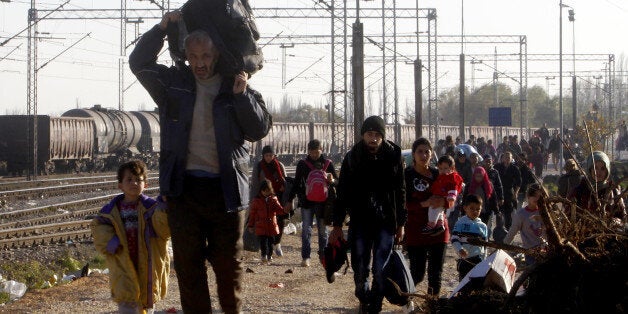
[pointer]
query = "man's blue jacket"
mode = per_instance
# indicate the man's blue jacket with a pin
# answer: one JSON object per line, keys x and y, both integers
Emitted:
{"x": 236, "y": 118}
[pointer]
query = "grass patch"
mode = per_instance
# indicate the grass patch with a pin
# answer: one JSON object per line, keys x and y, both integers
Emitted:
{"x": 34, "y": 273}
{"x": 4, "y": 297}
{"x": 31, "y": 273}
{"x": 98, "y": 261}
{"x": 68, "y": 264}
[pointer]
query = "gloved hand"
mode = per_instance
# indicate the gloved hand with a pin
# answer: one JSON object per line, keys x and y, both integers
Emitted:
{"x": 113, "y": 246}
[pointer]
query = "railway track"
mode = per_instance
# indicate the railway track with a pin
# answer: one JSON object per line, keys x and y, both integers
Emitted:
{"x": 53, "y": 228}
{"x": 8, "y": 184}
{"x": 58, "y": 223}
{"x": 41, "y": 192}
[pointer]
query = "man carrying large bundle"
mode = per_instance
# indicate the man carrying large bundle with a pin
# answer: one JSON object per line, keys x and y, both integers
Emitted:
{"x": 205, "y": 117}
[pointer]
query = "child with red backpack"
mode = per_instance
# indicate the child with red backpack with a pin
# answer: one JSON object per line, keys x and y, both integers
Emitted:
{"x": 313, "y": 177}
{"x": 263, "y": 219}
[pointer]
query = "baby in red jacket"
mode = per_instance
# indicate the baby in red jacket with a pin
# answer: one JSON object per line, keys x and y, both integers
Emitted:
{"x": 448, "y": 185}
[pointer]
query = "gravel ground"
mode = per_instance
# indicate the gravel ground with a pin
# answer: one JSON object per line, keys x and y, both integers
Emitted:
{"x": 305, "y": 290}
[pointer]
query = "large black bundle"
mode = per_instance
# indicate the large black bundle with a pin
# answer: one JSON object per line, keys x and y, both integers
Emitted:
{"x": 231, "y": 25}
{"x": 396, "y": 269}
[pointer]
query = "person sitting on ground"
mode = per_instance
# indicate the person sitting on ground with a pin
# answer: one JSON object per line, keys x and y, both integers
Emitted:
{"x": 263, "y": 214}
{"x": 528, "y": 222}
{"x": 132, "y": 232}
{"x": 448, "y": 185}
{"x": 469, "y": 226}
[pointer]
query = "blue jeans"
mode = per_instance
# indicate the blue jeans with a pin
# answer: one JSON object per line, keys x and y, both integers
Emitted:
{"x": 367, "y": 241}
{"x": 307, "y": 215}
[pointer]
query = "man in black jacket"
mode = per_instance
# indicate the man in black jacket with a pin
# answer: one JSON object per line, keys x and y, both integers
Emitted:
{"x": 493, "y": 204}
{"x": 371, "y": 190}
{"x": 511, "y": 181}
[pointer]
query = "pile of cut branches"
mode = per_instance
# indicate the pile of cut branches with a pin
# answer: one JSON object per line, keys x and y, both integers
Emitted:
{"x": 583, "y": 268}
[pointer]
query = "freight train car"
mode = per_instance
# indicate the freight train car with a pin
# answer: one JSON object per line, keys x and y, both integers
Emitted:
{"x": 59, "y": 139}
{"x": 96, "y": 138}
{"x": 116, "y": 131}
{"x": 290, "y": 139}
{"x": 149, "y": 140}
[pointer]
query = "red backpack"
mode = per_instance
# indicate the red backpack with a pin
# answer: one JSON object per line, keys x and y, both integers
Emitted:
{"x": 316, "y": 182}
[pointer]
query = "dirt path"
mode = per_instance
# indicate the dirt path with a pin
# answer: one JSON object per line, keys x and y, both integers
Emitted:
{"x": 305, "y": 290}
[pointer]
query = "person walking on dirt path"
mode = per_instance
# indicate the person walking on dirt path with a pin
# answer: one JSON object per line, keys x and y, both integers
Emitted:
{"x": 469, "y": 226}
{"x": 132, "y": 233}
{"x": 205, "y": 120}
{"x": 271, "y": 169}
{"x": 371, "y": 190}
{"x": 313, "y": 177}
{"x": 424, "y": 251}
{"x": 511, "y": 181}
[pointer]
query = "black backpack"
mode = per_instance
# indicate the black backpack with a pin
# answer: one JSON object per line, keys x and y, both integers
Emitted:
{"x": 231, "y": 25}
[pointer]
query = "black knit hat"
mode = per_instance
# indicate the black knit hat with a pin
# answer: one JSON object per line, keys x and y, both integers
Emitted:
{"x": 267, "y": 150}
{"x": 374, "y": 123}
{"x": 314, "y": 145}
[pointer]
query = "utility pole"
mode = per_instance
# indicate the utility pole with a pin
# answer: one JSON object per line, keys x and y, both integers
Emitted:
{"x": 495, "y": 77}
{"x": 574, "y": 91}
{"x": 31, "y": 90}
{"x": 122, "y": 56}
{"x": 358, "y": 75}
{"x": 560, "y": 83}
{"x": 283, "y": 63}
{"x": 462, "y": 76}
{"x": 418, "y": 84}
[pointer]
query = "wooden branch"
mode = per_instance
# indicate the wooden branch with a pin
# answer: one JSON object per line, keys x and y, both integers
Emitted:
{"x": 553, "y": 237}
{"x": 586, "y": 128}
{"x": 406, "y": 294}
{"x": 501, "y": 246}
{"x": 570, "y": 247}
{"x": 583, "y": 211}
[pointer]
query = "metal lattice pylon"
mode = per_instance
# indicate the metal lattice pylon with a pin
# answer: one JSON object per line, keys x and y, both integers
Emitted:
{"x": 31, "y": 90}
{"x": 389, "y": 67}
{"x": 338, "y": 116}
{"x": 432, "y": 66}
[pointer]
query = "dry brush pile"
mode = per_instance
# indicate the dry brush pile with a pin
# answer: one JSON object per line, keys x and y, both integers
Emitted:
{"x": 583, "y": 268}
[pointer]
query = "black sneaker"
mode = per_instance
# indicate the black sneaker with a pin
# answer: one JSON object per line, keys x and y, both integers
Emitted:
{"x": 330, "y": 277}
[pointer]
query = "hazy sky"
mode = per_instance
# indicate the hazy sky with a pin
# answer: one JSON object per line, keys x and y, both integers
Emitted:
{"x": 87, "y": 74}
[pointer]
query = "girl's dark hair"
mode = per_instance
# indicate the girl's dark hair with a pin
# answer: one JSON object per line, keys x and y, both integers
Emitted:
{"x": 471, "y": 199}
{"x": 314, "y": 145}
{"x": 421, "y": 141}
{"x": 137, "y": 168}
{"x": 266, "y": 185}
{"x": 446, "y": 159}
{"x": 533, "y": 188}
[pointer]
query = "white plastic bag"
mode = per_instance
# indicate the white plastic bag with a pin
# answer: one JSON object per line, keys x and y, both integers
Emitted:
{"x": 15, "y": 289}
{"x": 290, "y": 228}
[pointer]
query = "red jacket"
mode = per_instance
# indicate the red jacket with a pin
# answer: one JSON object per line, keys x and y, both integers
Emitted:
{"x": 263, "y": 215}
